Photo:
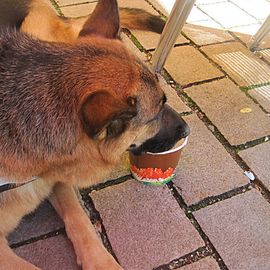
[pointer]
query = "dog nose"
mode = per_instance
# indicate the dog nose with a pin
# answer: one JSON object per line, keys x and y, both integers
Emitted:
{"x": 183, "y": 129}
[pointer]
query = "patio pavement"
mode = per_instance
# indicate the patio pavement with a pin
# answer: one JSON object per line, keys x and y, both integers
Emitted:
{"x": 211, "y": 216}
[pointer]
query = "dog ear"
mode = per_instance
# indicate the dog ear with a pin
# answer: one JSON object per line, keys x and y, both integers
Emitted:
{"x": 104, "y": 21}
{"x": 102, "y": 110}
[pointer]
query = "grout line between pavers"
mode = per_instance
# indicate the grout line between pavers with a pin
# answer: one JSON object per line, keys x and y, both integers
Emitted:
{"x": 246, "y": 12}
{"x": 197, "y": 226}
{"x": 211, "y": 17}
{"x": 97, "y": 220}
{"x": 219, "y": 198}
{"x": 187, "y": 259}
{"x": 106, "y": 184}
{"x": 57, "y": 8}
{"x": 31, "y": 240}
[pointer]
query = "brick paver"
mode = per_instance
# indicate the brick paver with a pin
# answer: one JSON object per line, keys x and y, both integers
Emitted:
{"x": 78, "y": 10}
{"x": 149, "y": 40}
{"x": 262, "y": 95}
{"x": 239, "y": 228}
{"x": 204, "y": 35}
{"x": 258, "y": 159}
{"x": 54, "y": 253}
{"x": 71, "y": 2}
{"x": 242, "y": 65}
{"x": 220, "y": 11}
{"x": 187, "y": 65}
{"x": 225, "y": 104}
{"x": 145, "y": 225}
{"x": 203, "y": 264}
{"x": 40, "y": 222}
{"x": 194, "y": 181}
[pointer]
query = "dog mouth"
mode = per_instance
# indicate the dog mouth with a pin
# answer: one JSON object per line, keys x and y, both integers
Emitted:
{"x": 157, "y": 144}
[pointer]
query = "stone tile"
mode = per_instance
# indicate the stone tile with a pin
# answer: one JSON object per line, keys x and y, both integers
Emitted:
{"x": 132, "y": 47}
{"x": 187, "y": 65}
{"x": 204, "y": 264}
{"x": 42, "y": 221}
{"x": 257, "y": 8}
{"x": 207, "y": 2}
{"x": 239, "y": 228}
{"x": 242, "y": 65}
{"x": 172, "y": 98}
{"x": 246, "y": 30}
{"x": 262, "y": 95}
{"x": 164, "y": 6}
{"x": 72, "y": 2}
{"x": 266, "y": 53}
{"x": 205, "y": 169}
{"x": 149, "y": 40}
{"x": 142, "y": 4}
{"x": 265, "y": 44}
{"x": 209, "y": 23}
{"x": 145, "y": 225}
{"x": 196, "y": 15}
{"x": 258, "y": 159}
{"x": 204, "y": 35}
{"x": 220, "y": 11}
{"x": 78, "y": 10}
{"x": 223, "y": 102}
{"x": 53, "y": 253}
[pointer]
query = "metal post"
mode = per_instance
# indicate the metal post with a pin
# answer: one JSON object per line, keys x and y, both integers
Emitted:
{"x": 260, "y": 35}
{"x": 171, "y": 31}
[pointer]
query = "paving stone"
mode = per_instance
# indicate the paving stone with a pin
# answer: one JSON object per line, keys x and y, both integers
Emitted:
{"x": 203, "y": 264}
{"x": 246, "y": 38}
{"x": 196, "y": 15}
{"x": 142, "y": 4}
{"x": 53, "y": 253}
{"x": 239, "y": 228}
{"x": 209, "y": 23}
{"x": 242, "y": 65}
{"x": 163, "y": 6}
{"x": 72, "y": 2}
{"x": 187, "y": 65}
{"x": 132, "y": 47}
{"x": 149, "y": 40}
{"x": 266, "y": 53}
{"x": 205, "y": 169}
{"x": 145, "y": 225}
{"x": 207, "y": 2}
{"x": 220, "y": 11}
{"x": 40, "y": 222}
{"x": 204, "y": 35}
{"x": 246, "y": 30}
{"x": 257, "y": 8}
{"x": 258, "y": 159}
{"x": 262, "y": 95}
{"x": 236, "y": 116}
{"x": 78, "y": 10}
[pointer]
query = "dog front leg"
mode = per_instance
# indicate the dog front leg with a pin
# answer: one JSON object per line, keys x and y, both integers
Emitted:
{"x": 90, "y": 252}
{"x": 10, "y": 261}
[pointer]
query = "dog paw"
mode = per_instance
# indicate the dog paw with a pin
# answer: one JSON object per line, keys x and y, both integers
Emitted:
{"x": 101, "y": 264}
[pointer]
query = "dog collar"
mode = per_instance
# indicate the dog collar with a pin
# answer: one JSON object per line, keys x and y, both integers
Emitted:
{"x": 9, "y": 184}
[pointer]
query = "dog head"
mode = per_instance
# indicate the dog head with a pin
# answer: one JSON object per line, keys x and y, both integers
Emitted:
{"x": 124, "y": 107}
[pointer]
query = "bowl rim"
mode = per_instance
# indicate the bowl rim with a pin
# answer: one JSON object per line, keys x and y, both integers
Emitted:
{"x": 171, "y": 150}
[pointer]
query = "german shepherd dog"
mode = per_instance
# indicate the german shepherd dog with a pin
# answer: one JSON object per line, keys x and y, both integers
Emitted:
{"x": 68, "y": 111}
